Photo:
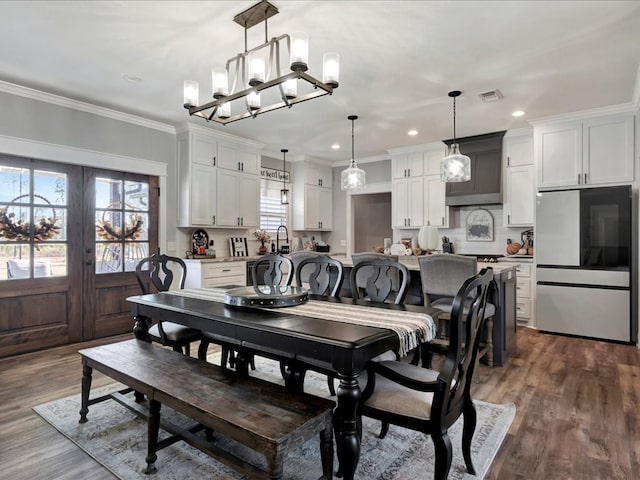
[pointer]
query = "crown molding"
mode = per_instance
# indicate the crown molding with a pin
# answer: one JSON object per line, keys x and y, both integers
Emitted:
{"x": 361, "y": 161}
{"x": 519, "y": 132}
{"x": 61, "y": 101}
{"x": 583, "y": 114}
{"x": 417, "y": 148}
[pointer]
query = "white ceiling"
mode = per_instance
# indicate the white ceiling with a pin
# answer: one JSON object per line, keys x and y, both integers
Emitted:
{"x": 399, "y": 59}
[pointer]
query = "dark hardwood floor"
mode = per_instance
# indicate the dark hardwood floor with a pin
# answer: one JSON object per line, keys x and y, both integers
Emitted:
{"x": 578, "y": 411}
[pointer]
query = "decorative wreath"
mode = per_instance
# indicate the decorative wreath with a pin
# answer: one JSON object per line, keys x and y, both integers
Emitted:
{"x": 17, "y": 229}
{"x": 132, "y": 229}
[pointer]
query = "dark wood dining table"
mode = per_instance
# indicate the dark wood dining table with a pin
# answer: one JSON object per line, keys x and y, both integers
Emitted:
{"x": 342, "y": 349}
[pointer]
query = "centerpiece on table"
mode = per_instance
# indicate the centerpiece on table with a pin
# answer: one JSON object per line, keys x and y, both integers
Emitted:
{"x": 263, "y": 236}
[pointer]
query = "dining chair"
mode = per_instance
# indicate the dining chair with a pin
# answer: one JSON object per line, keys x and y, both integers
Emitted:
{"x": 441, "y": 277}
{"x": 322, "y": 275}
{"x": 379, "y": 280}
{"x": 431, "y": 401}
{"x": 157, "y": 271}
{"x": 273, "y": 270}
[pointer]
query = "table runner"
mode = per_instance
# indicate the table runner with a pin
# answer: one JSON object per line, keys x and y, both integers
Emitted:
{"x": 412, "y": 328}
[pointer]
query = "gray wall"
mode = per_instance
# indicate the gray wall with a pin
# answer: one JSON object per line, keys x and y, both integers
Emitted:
{"x": 372, "y": 221}
{"x": 35, "y": 120}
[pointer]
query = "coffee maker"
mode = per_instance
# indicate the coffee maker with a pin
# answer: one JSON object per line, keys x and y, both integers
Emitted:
{"x": 527, "y": 241}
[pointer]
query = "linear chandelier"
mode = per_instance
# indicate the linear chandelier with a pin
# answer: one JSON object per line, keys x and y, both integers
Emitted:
{"x": 255, "y": 71}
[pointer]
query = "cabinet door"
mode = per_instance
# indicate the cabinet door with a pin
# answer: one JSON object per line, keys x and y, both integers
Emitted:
{"x": 519, "y": 150}
{"x": 202, "y": 195}
{"x": 249, "y": 200}
{"x": 432, "y": 161}
{"x": 227, "y": 196}
{"x": 325, "y": 208}
{"x": 311, "y": 209}
{"x": 415, "y": 164}
{"x": 249, "y": 163}
{"x": 608, "y": 149}
{"x": 228, "y": 157}
{"x": 203, "y": 150}
{"x": 436, "y": 212}
{"x": 520, "y": 196}
{"x": 318, "y": 175}
{"x": 559, "y": 151}
{"x": 399, "y": 166}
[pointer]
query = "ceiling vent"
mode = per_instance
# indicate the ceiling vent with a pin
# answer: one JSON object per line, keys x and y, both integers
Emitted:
{"x": 490, "y": 96}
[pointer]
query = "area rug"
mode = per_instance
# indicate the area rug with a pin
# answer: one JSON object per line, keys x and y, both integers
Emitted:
{"x": 116, "y": 438}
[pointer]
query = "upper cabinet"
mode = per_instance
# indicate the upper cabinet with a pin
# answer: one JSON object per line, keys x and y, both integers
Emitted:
{"x": 418, "y": 194}
{"x": 519, "y": 196}
{"x": 312, "y": 196}
{"x": 408, "y": 165}
{"x": 218, "y": 182}
{"x": 318, "y": 175}
{"x": 592, "y": 151}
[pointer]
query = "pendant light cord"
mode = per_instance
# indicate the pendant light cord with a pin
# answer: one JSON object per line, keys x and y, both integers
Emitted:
{"x": 353, "y": 155}
{"x": 454, "y": 119}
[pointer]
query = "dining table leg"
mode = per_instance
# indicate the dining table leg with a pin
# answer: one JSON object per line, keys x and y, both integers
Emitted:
{"x": 346, "y": 425}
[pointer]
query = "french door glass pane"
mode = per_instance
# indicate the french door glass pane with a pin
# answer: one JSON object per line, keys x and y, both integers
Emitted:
{"x": 33, "y": 219}
{"x": 121, "y": 216}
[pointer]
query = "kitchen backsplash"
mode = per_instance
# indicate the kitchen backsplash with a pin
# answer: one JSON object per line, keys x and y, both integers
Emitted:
{"x": 458, "y": 233}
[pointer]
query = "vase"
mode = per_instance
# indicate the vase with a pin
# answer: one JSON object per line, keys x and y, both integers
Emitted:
{"x": 262, "y": 249}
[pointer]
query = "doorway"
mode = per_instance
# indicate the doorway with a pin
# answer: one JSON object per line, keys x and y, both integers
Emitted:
{"x": 70, "y": 237}
{"x": 372, "y": 221}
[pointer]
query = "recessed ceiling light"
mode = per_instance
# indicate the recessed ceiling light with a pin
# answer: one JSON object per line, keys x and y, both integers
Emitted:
{"x": 335, "y": 146}
{"x": 132, "y": 78}
{"x": 412, "y": 132}
{"x": 517, "y": 113}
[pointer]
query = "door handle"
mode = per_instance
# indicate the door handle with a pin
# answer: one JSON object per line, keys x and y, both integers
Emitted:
{"x": 89, "y": 262}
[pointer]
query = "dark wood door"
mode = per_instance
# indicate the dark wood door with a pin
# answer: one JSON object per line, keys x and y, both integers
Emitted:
{"x": 68, "y": 251}
{"x": 118, "y": 232}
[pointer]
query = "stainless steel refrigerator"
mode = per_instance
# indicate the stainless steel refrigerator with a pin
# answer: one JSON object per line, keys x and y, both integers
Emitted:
{"x": 583, "y": 262}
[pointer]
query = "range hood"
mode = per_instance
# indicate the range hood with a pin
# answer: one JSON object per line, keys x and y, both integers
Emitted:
{"x": 485, "y": 186}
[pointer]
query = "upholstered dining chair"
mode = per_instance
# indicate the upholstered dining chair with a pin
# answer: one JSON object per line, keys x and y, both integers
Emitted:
{"x": 441, "y": 277}
{"x": 157, "y": 270}
{"x": 431, "y": 401}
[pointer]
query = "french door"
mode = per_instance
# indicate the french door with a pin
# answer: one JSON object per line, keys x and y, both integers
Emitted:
{"x": 70, "y": 238}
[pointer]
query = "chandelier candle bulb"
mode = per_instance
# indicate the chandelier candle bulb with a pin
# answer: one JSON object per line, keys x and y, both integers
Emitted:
{"x": 256, "y": 69}
{"x": 253, "y": 100}
{"x": 299, "y": 51}
{"x": 224, "y": 110}
{"x": 220, "y": 84}
{"x": 191, "y": 93}
{"x": 331, "y": 69}
{"x": 290, "y": 88}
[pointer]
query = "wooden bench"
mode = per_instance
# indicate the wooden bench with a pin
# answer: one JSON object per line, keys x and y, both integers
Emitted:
{"x": 263, "y": 416}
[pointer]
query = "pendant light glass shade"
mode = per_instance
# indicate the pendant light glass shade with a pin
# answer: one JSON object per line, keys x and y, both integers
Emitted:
{"x": 284, "y": 193}
{"x": 352, "y": 178}
{"x": 455, "y": 167}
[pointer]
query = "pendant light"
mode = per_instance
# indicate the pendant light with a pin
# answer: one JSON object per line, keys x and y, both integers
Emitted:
{"x": 284, "y": 193}
{"x": 353, "y": 178}
{"x": 455, "y": 167}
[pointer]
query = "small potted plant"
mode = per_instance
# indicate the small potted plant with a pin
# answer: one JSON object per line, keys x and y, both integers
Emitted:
{"x": 263, "y": 236}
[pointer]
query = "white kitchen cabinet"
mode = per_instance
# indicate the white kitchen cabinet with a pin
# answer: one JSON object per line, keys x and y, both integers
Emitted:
{"x": 318, "y": 175}
{"x": 593, "y": 151}
{"x": 238, "y": 199}
{"x": 519, "y": 197}
{"x": 408, "y": 165}
{"x": 203, "y": 274}
{"x": 312, "y": 197}
{"x": 407, "y": 202}
{"x": 317, "y": 207}
{"x": 196, "y": 182}
{"x": 436, "y": 212}
{"x": 232, "y": 158}
{"x": 524, "y": 294}
{"x": 433, "y": 159}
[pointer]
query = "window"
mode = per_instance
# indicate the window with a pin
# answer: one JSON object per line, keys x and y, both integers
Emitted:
{"x": 33, "y": 223}
{"x": 272, "y": 212}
